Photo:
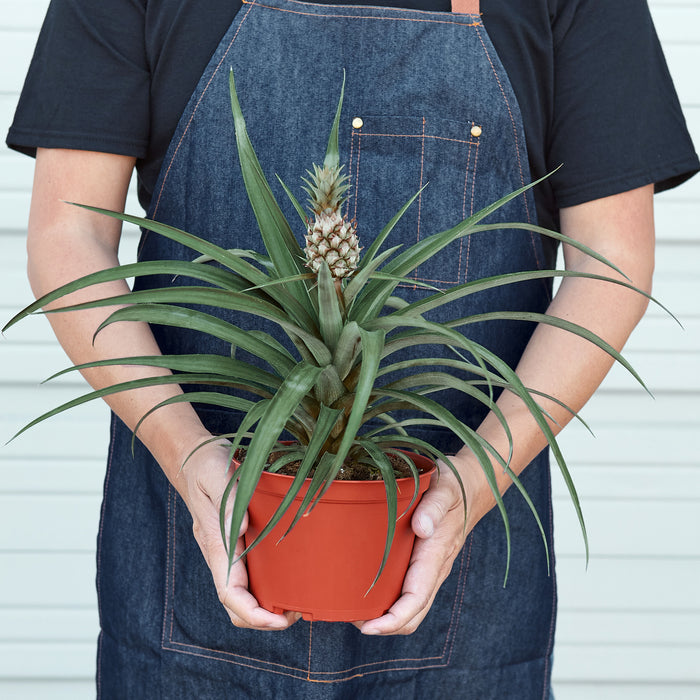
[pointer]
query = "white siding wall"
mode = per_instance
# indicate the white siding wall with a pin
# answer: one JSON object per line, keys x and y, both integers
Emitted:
{"x": 629, "y": 627}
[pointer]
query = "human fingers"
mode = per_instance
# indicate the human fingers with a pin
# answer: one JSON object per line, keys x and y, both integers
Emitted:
{"x": 208, "y": 479}
{"x": 231, "y": 585}
{"x": 440, "y": 529}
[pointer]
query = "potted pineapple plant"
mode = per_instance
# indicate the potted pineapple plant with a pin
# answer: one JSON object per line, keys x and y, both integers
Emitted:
{"x": 334, "y": 392}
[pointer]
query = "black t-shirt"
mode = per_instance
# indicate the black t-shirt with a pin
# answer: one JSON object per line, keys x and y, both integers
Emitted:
{"x": 589, "y": 75}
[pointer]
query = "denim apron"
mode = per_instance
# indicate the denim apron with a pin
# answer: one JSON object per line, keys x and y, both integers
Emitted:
{"x": 426, "y": 101}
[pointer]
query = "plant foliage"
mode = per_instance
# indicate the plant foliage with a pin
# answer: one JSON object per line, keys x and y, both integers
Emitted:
{"x": 341, "y": 383}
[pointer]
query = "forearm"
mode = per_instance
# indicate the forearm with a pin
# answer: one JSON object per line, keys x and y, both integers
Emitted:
{"x": 560, "y": 363}
{"x": 65, "y": 243}
{"x": 170, "y": 432}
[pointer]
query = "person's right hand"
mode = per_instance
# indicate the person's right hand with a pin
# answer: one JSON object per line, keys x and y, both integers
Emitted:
{"x": 204, "y": 479}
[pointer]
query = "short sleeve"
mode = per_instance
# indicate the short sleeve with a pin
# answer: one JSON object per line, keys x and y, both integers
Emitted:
{"x": 88, "y": 83}
{"x": 617, "y": 121}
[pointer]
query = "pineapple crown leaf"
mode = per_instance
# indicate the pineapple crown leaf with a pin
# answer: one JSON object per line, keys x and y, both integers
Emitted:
{"x": 332, "y": 158}
{"x": 326, "y": 187}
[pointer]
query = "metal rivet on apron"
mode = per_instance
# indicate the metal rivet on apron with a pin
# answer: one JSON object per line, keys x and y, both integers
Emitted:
{"x": 357, "y": 123}
{"x": 476, "y": 131}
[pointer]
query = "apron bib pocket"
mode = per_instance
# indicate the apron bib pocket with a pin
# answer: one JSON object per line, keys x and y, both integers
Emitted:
{"x": 195, "y": 624}
{"x": 394, "y": 155}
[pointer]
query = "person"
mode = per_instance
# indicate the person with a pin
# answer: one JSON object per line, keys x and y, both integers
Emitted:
{"x": 480, "y": 101}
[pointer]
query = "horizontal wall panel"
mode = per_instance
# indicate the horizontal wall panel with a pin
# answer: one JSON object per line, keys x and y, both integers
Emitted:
{"x": 47, "y": 660}
{"x": 32, "y": 330}
{"x": 626, "y": 529}
{"x": 681, "y": 58}
{"x": 15, "y": 209}
{"x": 8, "y": 105}
{"x": 612, "y": 482}
{"x": 669, "y": 371}
{"x": 16, "y": 169}
{"x": 50, "y": 625}
{"x": 676, "y": 221}
{"x": 52, "y": 689}
{"x": 636, "y": 408}
{"x": 666, "y": 356}
{"x": 17, "y": 48}
{"x": 623, "y": 691}
{"x": 629, "y": 445}
{"x": 51, "y": 476}
{"x": 23, "y": 14}
{"x": 676, "y": 23}
{"x": 628, "y": 628}
{"x": 681, "y": 5}
{"x": 61, "y": 689}
{"x": 613, "y": 585}
{"x": 675, "y": 211}
{"x": 49, "y": 522}
{"x": 81, "y": 433}
{"x": 628, "y": 663}
{"x": 72, "y": 579}
{"x": 31, "y": 364}
{"x": 609, "y": 584}
{"x": 656, "y": 333}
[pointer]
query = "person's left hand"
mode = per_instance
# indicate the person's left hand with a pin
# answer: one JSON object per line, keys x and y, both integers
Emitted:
{"x": 438, "y": 523}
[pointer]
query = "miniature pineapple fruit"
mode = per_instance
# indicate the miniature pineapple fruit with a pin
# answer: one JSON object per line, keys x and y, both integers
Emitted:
{"x": 330, "y": 236}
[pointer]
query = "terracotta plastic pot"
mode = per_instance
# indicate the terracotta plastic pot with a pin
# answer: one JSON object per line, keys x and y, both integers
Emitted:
{"x": 326, "y": 564}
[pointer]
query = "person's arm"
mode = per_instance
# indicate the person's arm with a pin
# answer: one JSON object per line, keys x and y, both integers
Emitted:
{"x": 66, "y": 242}
{"x": 621, "y": 228}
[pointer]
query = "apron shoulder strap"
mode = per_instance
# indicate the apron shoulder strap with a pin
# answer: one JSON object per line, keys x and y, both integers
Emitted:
{"x": 465, "y": 7}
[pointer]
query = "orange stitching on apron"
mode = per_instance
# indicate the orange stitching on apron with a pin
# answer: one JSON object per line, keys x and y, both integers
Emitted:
{"x": 422, "y": 136}
{"x": 420, "y": 180}
{"x": 230, "y": 661}
{"x": 301, "y": 670}
{"x": 383, "y": 670}
{"x": 172, "y": 574}
{"x": 301, "y": 678}
{"x": 168, "y": 576}
{"x": 357, "y": 168}
{"x": 464, "y": 207}
{"x": 349, "y": 173}
{"x": 510, "y": 114}
{"x": 469, "y": 238}
{"x": 311, "y": 634}
{"x": 392, "y": 19}
{"x": 463, "y": 573}
{"x": 474, "y": 170}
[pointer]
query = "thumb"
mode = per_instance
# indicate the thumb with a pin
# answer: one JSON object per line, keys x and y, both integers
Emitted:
{"x": 435, "y": 504}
